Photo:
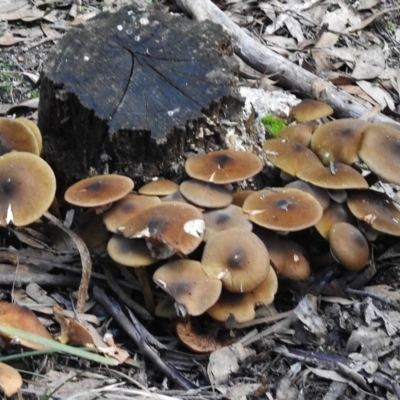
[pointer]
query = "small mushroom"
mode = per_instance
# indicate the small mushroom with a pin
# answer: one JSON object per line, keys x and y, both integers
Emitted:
{"x": 159, "y": 187}
{"x": 224, "y": 166}
{"x": 348, "y": 246}
{"x": 282, "y": 209}
{"x": 240, "y": 196}
{"x": 35, "y": 130}
{"x": 193, "y": 290}
{"x": 238, "y": 258}
{"x": 299, "y": 133}
{"x": 27, "y": 188}
{"x": 310, "y": 110}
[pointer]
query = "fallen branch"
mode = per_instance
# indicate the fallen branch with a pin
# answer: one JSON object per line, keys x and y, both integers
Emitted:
{"x": 289, "y": 75}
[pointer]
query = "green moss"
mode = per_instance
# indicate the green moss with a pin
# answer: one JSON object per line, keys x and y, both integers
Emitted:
{"x": 273, "y": 124}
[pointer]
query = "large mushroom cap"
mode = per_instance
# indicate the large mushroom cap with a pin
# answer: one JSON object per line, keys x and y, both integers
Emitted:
{"x": 380, "y": 150}
{"x": 27, "y": 188}
{"x": 299, "y": 133}
{"x": 188, "y": 284}
{"x": 159, "y": 187}
{"x": 223, "y": 166}
{"x": 35, "y": 130}
{"x": 237, "y": 257}
{"x": 283, "y": 209}
{"x": 339, "y": 141}
{"x": 99, "y": 190}
{"x": 310, "y": 110}
{"x": 320, "y": 194}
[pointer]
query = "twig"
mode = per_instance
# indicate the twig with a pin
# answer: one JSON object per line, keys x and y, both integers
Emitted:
{"x": 258, "y": 321}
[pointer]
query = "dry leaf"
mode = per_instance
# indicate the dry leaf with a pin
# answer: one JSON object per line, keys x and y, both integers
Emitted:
{"x": 10, "y": 380}
{"x": 370, "y": 63}
{"x": 9, "y": 39}
{"x": 379, "y": 95}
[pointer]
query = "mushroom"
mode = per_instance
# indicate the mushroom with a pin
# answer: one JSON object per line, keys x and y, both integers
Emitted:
{"x": 27, "y": 188}
{"x": 193, "y": 290}
{"x": 339, "y": 141}
{"x": 310, "y": 110}
{"x": 98, "y": 191}
{"x": 241, "y": 306}
{"x": 159, "y": 187}
{"x": 206, "y": 194}
{"x": 348, "y": 246}
{"x": 238, "y": 258}
{"x": 282, "y": 209}
{"x": 299, "y": 133}
{"x": 224, "y": 166}
{"x": 320, "y": 194}
{"x": 240, "y": 196}
{"x": 35, "y": 130}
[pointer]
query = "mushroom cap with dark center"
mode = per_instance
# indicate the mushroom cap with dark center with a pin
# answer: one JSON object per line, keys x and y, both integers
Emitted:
{"x": 35, "y": 130}
{"x": 241, "y": 306}
{"x": 178, "y": 226}
{"x": 310, "y": 110}
{"x": 15, "y": 135}
{"x": 349, "y": 246}
{"x": 159, "y": 187}
{"x": 224, "y": 166}
{"x": 380, "y": 150}
{"x": 206, "y": 194}
{"x": 99, "y": 190}
{"x": 299, "y": 133}
{"x": 188, "y": 284}
{"x": 290, "y": 157}
{"x": 336, "y": 176}
{"x": 318, "y": 193}
{"x": 237, "y": 257}
{"x": 27, "y": 188}
{"x": 282, "y": 209}
{"x": 339, "y": 141}
{"x": 376, "y": 209}
{"x": 126, "y": 208}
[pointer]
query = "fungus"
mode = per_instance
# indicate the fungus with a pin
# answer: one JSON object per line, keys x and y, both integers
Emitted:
{"x": 310, "y": 110}
{"x": 193, "y": 290}
{"x": 223, "y": 166}
{"x": 35, "y": 130}
{"x": 27, "y": 188}
{"x": 348, "y": 246}
{"x": 159, "y": 187}
{"x": 318, "y": 193}
{"x": 239, "y": 197}
{"x": 282, "y": 209}
{"x": 299, "y": 133}
{"x": 238, "y": 258}
{"x": 206, "y": 194}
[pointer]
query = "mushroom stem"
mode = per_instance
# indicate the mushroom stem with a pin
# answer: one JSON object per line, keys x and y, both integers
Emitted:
{"x": 144, "y": 282}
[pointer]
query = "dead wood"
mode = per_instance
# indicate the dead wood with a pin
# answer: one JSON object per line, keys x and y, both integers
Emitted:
{"x": 289, "y": 75}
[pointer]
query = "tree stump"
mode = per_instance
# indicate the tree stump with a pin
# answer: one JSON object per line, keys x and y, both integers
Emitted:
{"x": 126, "y": 93}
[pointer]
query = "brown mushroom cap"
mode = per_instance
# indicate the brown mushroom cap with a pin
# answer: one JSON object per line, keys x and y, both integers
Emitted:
{"x": 299, "y": 133}
{"x": 35, "y": 130}
{"x": 339, "y": 141}
{"x": 178, "y": 226}
{"x": 238, "y": 258}
{"x": 225, "y": 218}
{"x": 159, "y": 187}
{"x": 98, "y": 190}
{"x": 240, "y": 196}
{"x": 241, "y": 305}
{"x": 206, "y": 194}
{"x": 380, "y": 150}
{"x": 224, "y": 166}
{"x": 376, "y": 209}
{"x": 320, "y": 194}
{"x": 336, "y": 176}
{"x": 282, "y": 209}
{"x": 290, "y": 157}
{"x": 310, "y": 110}
{"x": 349, "y": 246}
{"x": 27, "y": 188}
{"x": 15, "y": 135}
{"x": 126, "y": 208}
{"x": 188, "y": 284}
{"x": 129, "y": 252}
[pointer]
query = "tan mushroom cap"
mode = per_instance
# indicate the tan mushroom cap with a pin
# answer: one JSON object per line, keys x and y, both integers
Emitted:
{"x": 225, "y": 218}
{"x": 99, "y": 190}
{"x": 349, "y": 246}
{"x": 380, "y": 150}
{"x": 206, "y": 194}
{"x": 240, "y": 196}
{"x": 336, "y": 176}
{"x": 15, "y": 135}
{"x": 159, "y": 187}
{"x": 126, "y": 208}
{"x": 241, "y": 306}
{"x": 339, "y": 141}
{"x": 299, "y": 133}
{"x": 129, "y": 252}
{"x": 35, "y": 130}
{"x": 10, "y": 380}
{"x": 310, "y": 110}
{"x": 290, "y": 157}
{"x": 27, "y": 188}
{"x": 282, "y": 209}
{"x": 318, "y": 193}
{"x": 188, "y": 284}
{"x": 178, "y": 226}
{"x": 238, "y": 258}
{"x": 376, "y": 209}
{"x": 224, "y": 166}
{"x": 333, "y": 214}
